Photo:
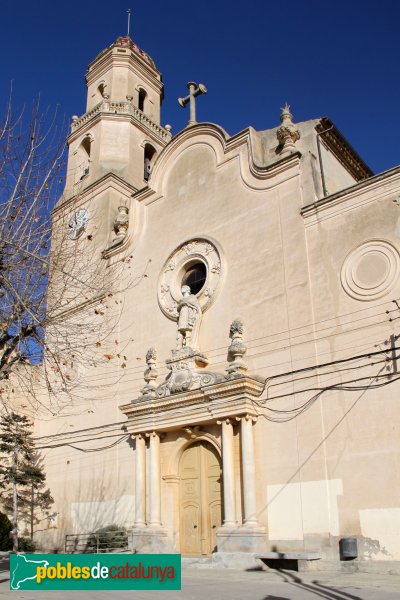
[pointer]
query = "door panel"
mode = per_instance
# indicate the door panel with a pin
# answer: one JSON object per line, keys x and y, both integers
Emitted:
{"x": 200, "y": 498}
{"x": 190, "y": 530}
{"x": 216, "y": 521}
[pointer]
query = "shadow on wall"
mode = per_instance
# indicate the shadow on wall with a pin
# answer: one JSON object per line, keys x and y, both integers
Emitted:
{"x": 313, "y": 452}
{"x": 93, "y": 506}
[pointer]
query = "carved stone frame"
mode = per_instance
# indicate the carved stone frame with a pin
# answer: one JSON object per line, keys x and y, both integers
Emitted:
{"x": 195, "y": 250}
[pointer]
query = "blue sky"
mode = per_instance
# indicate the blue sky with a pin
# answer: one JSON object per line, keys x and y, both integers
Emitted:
{"x": 336, "y": 59}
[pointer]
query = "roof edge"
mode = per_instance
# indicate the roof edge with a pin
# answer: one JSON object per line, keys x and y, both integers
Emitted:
{"x": 342, "y": 150}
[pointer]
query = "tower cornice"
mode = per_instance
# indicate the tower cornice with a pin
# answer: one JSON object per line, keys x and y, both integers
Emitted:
{"x": 107, "y": 181}
{"x": 112, "y": 58}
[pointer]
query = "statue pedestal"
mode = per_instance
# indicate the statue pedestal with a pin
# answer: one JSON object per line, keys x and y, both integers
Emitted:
{"x": 241, "y": 539}
{"x": 187, "y": 372}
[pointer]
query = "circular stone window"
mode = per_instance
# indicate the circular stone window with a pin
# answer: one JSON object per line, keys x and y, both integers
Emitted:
{"x": 197, "y": 264}
{"x": 195, "y": 277}
{"x": 370, "y": 270}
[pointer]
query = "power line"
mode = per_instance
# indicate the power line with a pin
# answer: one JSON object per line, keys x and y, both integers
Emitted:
{"x": 124, "y": 437}
{"x": 296, "y": 411}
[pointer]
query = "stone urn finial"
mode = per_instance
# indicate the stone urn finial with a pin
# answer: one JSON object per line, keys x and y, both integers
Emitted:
{"x": 287, "y": 133}
{"x": 236, "y": 350}
{"x": 150, "y": 374}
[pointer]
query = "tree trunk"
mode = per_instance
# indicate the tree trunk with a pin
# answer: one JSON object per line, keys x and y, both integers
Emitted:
{"x": 32, "y": 505}
{"x": 15, "y": 501}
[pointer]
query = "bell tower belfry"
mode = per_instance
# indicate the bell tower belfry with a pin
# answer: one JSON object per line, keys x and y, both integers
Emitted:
{"x": 120, "y": 132}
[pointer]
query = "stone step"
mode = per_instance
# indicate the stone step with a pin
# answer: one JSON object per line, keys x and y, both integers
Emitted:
{"x": 197, "y": 561}
{"x": 223, "y": 560}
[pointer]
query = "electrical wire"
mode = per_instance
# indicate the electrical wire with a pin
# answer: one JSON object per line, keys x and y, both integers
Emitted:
{"x": 268, "y": 380}
{"x": 124, "y": 437}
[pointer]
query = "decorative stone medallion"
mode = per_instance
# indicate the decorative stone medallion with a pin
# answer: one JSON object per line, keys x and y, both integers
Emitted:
{"x": 370, "y": 270}
{"x": 185, "y": 257}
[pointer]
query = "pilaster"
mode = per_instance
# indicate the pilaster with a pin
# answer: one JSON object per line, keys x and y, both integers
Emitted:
{"x": 155, "y": 480}
{"x": 140, "y": 481}
{"x": 228, "y": 473}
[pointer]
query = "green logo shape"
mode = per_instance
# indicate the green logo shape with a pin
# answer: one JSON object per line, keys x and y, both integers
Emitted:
{"x": 95, "y": 572}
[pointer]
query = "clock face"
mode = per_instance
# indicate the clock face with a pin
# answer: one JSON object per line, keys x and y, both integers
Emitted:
{"x": 77, "y": 223}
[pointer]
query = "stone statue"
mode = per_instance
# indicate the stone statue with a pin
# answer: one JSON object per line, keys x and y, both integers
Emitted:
{"x": 189, "y": 319}
{"x": 120, "y": 227}
{"x": 121, "y": 223}
{"x": 119, "y": 230}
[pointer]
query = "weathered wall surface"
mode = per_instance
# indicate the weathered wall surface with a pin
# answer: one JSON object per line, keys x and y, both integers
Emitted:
{"x": 312, "y": 289}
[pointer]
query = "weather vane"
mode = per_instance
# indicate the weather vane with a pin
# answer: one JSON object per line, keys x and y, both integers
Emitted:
{"x": 129, "y": 20}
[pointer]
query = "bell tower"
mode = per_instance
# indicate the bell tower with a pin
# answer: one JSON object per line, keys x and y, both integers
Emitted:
{"x": 120, "y": 133}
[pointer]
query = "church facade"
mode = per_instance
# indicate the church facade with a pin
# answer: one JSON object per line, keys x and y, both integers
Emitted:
{"x": 255, "y": 375}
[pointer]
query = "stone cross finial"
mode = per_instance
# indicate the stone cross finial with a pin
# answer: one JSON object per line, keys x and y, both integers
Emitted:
{"x": 194, "y": 91}
{"x": 236, "y": 350}
{"x": 287, "y": 133}
{"x": 150, "y": 374}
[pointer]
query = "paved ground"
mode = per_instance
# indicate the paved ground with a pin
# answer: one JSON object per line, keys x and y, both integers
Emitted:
{"x": 212, "y": 584}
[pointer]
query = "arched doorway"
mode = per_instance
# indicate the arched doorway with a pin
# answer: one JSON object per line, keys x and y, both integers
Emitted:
{"x": 200, "y": 498}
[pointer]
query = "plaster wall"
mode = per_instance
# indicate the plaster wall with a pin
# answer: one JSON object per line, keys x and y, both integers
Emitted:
{"x": 319, "y": 475}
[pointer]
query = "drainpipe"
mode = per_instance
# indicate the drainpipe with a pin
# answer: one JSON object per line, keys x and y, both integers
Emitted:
{"x": 324, "y": 190}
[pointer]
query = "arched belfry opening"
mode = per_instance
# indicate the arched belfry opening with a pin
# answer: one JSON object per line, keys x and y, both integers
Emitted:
{"x": 200, "y": 502}
{"x": 99, "y": 92}
{"x": 142, "y": 99}
{"x": 150, "y": 155}
{"x": 101, "y": 88}
{"x": 82, "y": 164}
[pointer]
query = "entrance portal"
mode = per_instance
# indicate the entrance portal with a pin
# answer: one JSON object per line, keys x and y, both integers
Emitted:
{"x": 200, "y": 499}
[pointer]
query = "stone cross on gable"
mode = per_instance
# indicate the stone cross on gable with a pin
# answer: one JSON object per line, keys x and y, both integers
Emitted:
{"x": 194, "y": 91}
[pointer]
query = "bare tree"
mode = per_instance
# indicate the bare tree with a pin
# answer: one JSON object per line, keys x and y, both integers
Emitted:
{"x": 57, "y": 294}
{"x": 31, "y": 158}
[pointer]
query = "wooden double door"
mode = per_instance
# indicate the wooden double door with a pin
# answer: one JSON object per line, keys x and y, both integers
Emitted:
{"x": 200, "y": 499}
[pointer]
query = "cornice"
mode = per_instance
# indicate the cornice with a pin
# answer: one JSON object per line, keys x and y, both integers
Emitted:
{"x": 392, "y": 175}
{"x": 104, "y": 61}
{"x": 249, "y": 169}
{"x": 107, "y": 180}
{"x": 231, "y": 398}
{"x": 342, "y": 150}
